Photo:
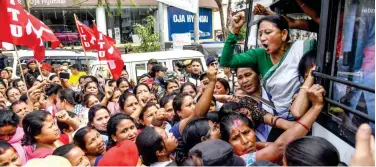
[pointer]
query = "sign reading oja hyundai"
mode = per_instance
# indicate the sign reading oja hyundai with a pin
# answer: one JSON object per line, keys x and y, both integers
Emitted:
{"x": 181, "y": 21}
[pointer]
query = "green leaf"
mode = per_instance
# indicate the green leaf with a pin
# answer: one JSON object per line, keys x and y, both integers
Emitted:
{"x": 149, "y": 38}
{"x": 118, "y": 5}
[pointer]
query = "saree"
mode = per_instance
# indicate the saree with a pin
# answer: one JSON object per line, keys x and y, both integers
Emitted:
{"x": 282, "y": 81}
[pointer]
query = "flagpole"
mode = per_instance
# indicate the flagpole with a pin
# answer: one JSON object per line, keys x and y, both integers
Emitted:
{"x": 40, "y": 71}
{"x": 83, "y": 48}
{"x": 19, "y": 63}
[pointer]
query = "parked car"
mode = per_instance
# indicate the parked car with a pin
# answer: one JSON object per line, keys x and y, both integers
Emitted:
{"x": 136, "y": 63}
{"x": 52, "y": 57}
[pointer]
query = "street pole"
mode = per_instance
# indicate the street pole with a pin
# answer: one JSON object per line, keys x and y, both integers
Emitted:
{"x": 161, "y": 22}
{"x": 196, "y": 27}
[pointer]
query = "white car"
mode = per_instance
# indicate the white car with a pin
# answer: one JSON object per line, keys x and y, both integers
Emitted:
{"x": 136, "y": 63}
{"x": 56, "y": 56}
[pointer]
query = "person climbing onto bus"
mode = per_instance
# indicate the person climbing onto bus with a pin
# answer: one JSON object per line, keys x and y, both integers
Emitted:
{"x": 277, "y": 62}
{"x": 301, "y": 24}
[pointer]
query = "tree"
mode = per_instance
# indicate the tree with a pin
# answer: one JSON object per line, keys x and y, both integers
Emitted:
{"x": 229, "y": 16}
{"x": 150, "y": 39}
{"x": 223, "y": 24}
{"x": 226, "y": 26}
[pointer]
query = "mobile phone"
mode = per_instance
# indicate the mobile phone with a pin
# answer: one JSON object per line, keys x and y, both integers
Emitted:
{"x": 64, "y": 75}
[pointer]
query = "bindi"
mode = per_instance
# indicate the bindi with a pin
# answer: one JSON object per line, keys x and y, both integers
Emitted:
{"x": 237, "y": 123}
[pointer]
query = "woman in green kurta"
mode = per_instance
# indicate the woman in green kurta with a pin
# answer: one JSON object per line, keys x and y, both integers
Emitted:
{"x": 277, "y": 62}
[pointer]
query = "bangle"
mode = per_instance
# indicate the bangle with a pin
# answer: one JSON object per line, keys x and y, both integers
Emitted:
{"x": 275, "y": 122}
{"x": 304, "y": 87}
{"x": 306, "y": 127}
{"x": 272, "y": 120}
{"x": 302, "y": 5}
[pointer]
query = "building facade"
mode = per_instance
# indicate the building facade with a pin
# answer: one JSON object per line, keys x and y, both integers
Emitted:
{"x": 59, "y": 16}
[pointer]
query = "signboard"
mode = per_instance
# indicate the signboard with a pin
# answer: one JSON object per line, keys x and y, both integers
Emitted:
{"x": 181, "y": 21}
{"x": 179, "y": 40}
{"x": 49, "y": 3}
{"x": 188, "y": 5}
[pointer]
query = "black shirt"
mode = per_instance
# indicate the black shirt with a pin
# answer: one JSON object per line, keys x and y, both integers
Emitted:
{"x": 35, "y": 73}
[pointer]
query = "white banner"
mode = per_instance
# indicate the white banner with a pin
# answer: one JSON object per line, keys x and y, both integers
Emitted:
{"x": 179, "y": 40}
{"x": 188, "y": 5}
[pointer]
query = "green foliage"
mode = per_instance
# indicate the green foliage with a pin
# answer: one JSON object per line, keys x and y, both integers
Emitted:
{"x": 149, "y": 38}
{"x": 129, "y": 48}
{"x": 242, "y": 33}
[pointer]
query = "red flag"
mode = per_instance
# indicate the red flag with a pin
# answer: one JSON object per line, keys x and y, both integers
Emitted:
{"x": 107, "y": 51}
{"x": 88, "y": 39}
{"x": 17, "y": 29}
{"x": 43, "y": 31}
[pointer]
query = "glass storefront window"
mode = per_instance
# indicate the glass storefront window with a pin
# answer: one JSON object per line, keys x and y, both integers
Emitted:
{"x": 121, "y": 27}
{"x": 61, "y": 21}
{"x": 355, "y": 60}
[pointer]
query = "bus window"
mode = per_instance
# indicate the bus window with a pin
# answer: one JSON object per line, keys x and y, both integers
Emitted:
{"x": 296, "y": 34}
{"x": 355, "y": 60}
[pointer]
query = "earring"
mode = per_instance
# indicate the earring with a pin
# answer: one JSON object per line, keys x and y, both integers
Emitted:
{"x": 283, "y": 47}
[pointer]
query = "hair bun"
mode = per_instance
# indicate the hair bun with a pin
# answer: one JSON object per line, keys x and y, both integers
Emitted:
{"x": 77, "y": 97}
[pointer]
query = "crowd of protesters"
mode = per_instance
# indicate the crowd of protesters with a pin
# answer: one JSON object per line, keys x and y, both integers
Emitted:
{"x": 260, "y": 115}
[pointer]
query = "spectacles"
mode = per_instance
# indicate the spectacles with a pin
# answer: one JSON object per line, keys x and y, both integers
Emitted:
{"x": 214, "y": 64}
